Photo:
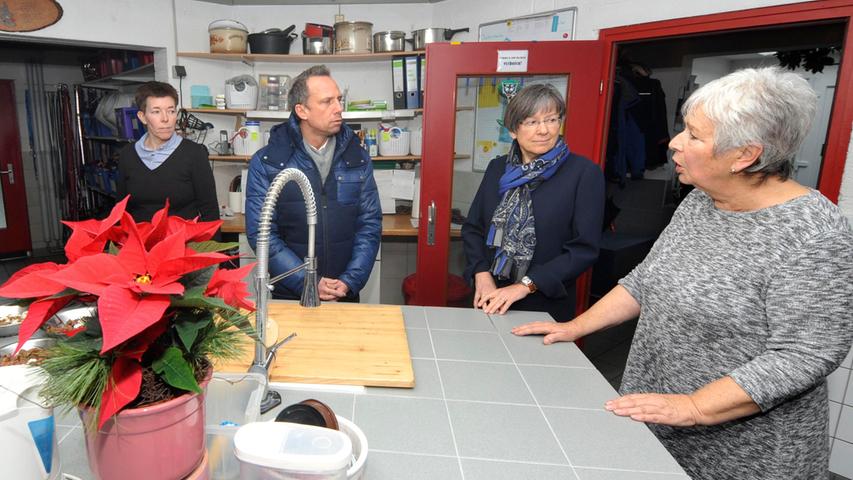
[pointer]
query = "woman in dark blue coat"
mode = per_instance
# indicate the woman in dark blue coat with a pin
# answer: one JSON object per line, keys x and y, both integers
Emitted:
{"x": 535, "y": 223}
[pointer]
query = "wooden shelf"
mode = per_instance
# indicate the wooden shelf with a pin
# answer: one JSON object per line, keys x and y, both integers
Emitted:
{"x": 227, "y": 111}
{"x": 102, "y": 192}
{"x": 141, "y": 74}
{"x": 251, "y": 58}
{"x": 229, "y": 158}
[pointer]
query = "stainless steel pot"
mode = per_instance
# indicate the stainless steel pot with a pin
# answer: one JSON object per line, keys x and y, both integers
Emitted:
{"x": 390, "y": 41}
{"x": 316, "y": 45}
{"x": 420, "y": 38}
{"x": 353, "y": 37}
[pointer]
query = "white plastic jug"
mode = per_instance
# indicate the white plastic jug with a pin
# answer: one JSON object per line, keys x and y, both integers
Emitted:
{"x": 27, "y": 429}
{"x": 248, "y": 139}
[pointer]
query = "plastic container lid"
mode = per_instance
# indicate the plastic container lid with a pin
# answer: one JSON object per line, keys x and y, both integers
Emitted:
{"x": 293, "y": 447}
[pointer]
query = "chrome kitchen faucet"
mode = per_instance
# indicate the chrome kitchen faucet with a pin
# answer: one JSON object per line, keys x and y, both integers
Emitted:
{"x": 263, "y": 284}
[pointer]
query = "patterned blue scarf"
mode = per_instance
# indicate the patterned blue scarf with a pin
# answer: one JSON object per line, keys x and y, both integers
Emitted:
{"x": 513, "y": 229}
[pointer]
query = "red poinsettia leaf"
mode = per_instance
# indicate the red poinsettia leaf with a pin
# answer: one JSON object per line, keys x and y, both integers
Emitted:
{"x": 159, "y": 227}
{"x": 121, "y": 388}
{"x": 90, "y": 226}
{"x": 171, "y": 247}
{"x": 37, "y": 314}
{"x": 78, "y": 244}
{"x": 139, "y": 345}
{"x": 90, "y": 274}
{"x": 190, "y": 263}
{"x": 31, "y": 281}
{"x": 196, "y": 231}
{"x": 116, "y": 214}
{"x": 133, "y": 255}
{"x": 229, "y": 285}
{"x": 88, "y": 237}
{"x": 169, "y": 288}
{"x": 124, "y": 314}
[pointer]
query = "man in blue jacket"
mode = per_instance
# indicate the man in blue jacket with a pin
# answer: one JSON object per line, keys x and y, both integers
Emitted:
{"x": 316, "y": 141}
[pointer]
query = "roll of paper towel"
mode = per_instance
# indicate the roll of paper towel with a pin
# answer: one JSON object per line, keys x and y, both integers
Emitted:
{"x": 235, "y": 201}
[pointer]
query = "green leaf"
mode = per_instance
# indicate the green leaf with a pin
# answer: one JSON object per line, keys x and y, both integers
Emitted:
{"x": 199, "y": 278}
{"x": 188, "y": 326}
{"x": 175, "y": 370}
{"x": 113, "y": 249}
{"x": 212, "y": 246}
{"x": 194, "y": 297}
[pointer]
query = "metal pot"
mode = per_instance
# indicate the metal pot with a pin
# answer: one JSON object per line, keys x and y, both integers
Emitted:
{"x": 420, "y": 38}
{"x": 316, "y": 45}
{"x": 390, "y": 41}
{"x": 353, "y": 37}
{"x": 272, "y": 40}
{"x": 314, "y": 30}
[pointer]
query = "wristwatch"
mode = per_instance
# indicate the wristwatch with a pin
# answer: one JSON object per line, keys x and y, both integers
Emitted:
{"x": 527, "y": 282}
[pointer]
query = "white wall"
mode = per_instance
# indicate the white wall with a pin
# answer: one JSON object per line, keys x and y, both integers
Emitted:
{"x": 150, "y": 24}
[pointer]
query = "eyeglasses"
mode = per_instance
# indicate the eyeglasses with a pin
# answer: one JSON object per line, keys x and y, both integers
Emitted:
{"x": 549, "y": 122}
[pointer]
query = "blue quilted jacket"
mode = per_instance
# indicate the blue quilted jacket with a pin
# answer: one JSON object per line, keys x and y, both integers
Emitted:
{"x": 349, "y": 224}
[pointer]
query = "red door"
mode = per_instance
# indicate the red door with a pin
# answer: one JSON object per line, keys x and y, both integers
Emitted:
{"x": 460, "y": 71}
{"x": 14, "y": 223}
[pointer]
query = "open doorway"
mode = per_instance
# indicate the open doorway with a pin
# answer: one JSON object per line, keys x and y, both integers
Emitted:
{"x": 680, "y": 55}
{"x": 652, "y": 80}
{"x": 58, "y": 150}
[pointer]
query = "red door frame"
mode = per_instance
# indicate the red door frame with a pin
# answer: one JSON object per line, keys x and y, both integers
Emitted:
{"x": 579, "y": 60}
{"x": 841, "y": 118}
{"x": 16, "y": 236}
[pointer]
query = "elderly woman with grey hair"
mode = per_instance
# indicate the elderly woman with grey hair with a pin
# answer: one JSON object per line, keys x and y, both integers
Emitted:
{"x": 535, "y": 223}
{"x": 745, "y": 299}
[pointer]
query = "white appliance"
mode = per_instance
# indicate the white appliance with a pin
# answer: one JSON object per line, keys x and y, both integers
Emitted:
{"x": 241, "y": 92}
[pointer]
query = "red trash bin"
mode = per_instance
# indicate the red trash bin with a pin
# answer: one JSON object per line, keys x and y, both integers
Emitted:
{"x": 458, "y": 291}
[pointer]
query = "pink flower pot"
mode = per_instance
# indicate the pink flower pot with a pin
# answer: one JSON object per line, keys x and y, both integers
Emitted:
{"x": 163, "y": 441}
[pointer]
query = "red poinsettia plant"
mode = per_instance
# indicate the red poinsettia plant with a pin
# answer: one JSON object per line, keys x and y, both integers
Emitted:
{"x": 164, "y": 310}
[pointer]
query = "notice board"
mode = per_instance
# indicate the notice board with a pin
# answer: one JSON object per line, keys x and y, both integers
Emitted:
{"x": 491, "y": 139}
{"x": 554, "y": 25}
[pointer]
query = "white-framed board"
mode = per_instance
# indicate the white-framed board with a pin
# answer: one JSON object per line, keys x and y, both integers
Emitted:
{"x": 490, "y": 138}
{"x": 553, "y": 25}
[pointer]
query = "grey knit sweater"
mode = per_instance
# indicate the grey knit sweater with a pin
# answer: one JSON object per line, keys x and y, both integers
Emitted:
{"x": 765, "y": 297}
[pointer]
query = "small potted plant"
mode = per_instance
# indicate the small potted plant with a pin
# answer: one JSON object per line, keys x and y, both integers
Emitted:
{"x": 136, "y": 370}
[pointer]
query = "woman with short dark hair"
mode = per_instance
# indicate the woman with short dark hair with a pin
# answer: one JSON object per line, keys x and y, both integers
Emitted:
{"x": 744, "y": 300}
{"x": 535, "y": 223}
{"x": 162, "y": 165}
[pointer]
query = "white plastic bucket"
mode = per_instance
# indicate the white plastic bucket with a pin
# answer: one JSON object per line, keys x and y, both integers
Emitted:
{"x": 27, "y": 429}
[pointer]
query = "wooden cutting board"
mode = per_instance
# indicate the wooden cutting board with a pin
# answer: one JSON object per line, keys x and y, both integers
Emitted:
{"x": 337, "y": 343}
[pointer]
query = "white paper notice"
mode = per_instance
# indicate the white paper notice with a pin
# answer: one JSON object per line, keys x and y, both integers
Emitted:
{"x": 384, "y": 180}
{"x": 403, "y": 185}
{"x": 512, "y": 60}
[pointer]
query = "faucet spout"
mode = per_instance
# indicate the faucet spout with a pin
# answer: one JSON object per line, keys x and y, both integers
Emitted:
{"x": 263, "y": 285}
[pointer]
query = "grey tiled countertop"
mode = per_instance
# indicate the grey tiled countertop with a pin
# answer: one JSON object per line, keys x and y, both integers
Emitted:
{"x": 486, "y": 405}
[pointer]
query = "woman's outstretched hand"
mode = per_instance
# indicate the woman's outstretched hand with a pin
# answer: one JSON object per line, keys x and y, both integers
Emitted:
{"x": 554, "y": 332}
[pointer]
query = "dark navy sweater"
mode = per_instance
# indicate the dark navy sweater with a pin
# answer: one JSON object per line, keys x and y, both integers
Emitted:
{"x": 568, "y": 209}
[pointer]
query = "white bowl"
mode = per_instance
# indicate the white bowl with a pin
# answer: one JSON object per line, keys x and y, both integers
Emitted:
{"x": 359, "y": 447}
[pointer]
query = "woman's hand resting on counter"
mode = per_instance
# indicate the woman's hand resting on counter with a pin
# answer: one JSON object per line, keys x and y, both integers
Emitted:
{"x": 665, "y": 409}
{"x": 496, "y": 300}
{"x": 554, "y": 332}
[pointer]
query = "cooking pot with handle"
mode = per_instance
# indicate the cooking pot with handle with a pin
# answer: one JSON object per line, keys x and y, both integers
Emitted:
{"x": 272, "y": 40}
{"x": 420, "y": 38}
